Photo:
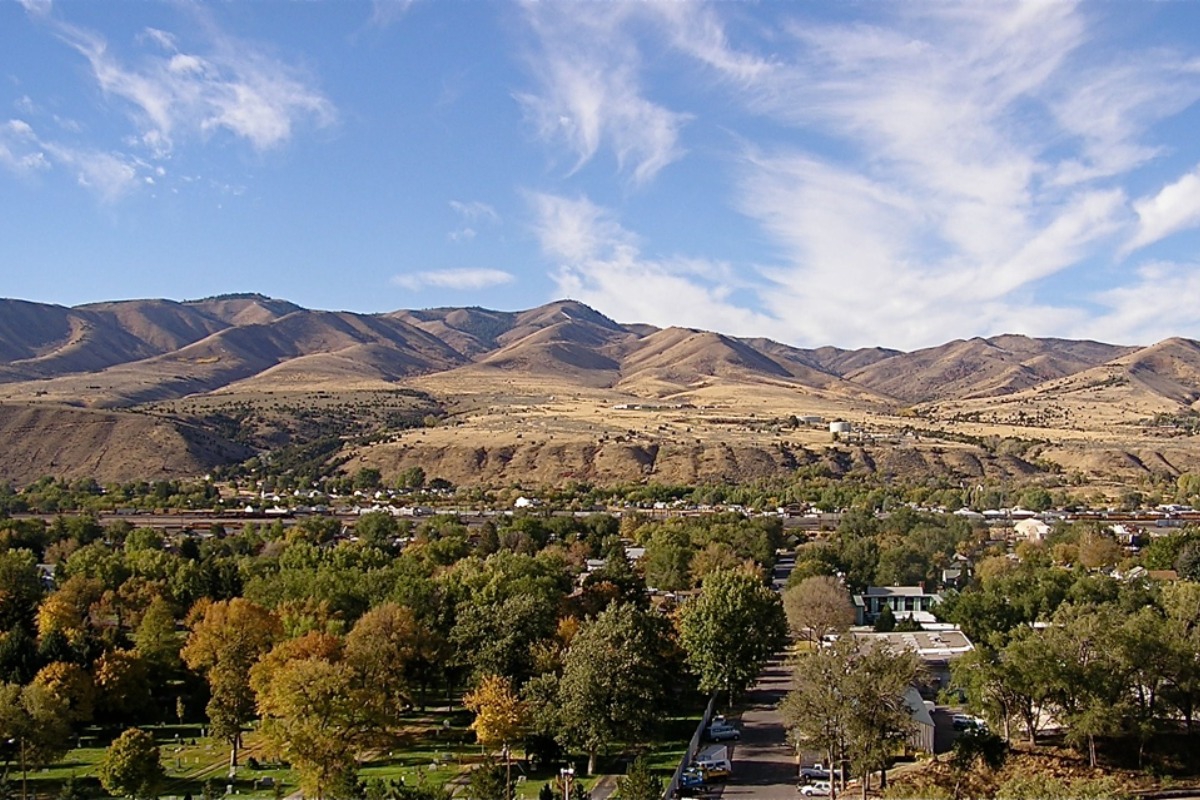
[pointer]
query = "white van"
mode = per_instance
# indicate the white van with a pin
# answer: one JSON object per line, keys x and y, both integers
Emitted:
{"x": 714, "y": 761}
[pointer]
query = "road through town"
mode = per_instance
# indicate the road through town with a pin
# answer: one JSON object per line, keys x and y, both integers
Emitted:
{"x": 764, "y": 764}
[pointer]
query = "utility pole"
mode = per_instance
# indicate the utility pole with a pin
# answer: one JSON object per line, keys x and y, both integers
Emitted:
{"x": 24, "y": 774}
{"x": 507, "y": 773}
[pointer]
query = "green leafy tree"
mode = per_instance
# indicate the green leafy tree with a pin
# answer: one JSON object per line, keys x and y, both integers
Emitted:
{"x": 36, "y": 722}
{"x": 849, "y": 703}
{"x": 668, "y": 558}
{"x": 612, "y": 681}
{"x": 886, "y": 621}
{"x": 973, "y": 751}
{"x": 487, "y": 782}
{"x": 640, "y": 782}
{"x": 132, "y": 766}
{"x": 21, "y": 588}
{"x": 815, "y": 710}
{"x": 730, "y": 630}
{"x": 880, "y": 719}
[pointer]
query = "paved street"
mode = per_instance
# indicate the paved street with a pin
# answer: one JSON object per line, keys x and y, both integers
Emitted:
{"x": 764, "y": 765}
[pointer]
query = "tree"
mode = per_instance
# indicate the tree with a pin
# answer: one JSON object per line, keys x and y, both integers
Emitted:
{"x": 313, "y": 717}
{"x": 66, "y": 610}
{"x": 411, "y": 478}
{"x": 972, "y": 750}
{"x": 20, "y": 588}
{"x": 123, "y": 685}
{"x": 223, "y": 645}
{"x": 815, "y": 711}
{"x": 486, "y": 782}
{"x": 640, "y": 782}
{"x": 381, "y": 649}
{"x": 500, "y": 717}
{"x": 668, "y": 558}
{"x": 612, "y": 682}
{"x": 880, "y": 717}
{"x": 849, "y": 702}
{"x": 730, "y": 630}
{"x": 1181, "y": 603}
{"x": 132, "y": 766}
{"x": 36, "y": 721}
{"x": 817, "y": 606}
{"x": 71, "y": 684}
{"x": 1187, "y": 563}
{"x": 886, "y": 621}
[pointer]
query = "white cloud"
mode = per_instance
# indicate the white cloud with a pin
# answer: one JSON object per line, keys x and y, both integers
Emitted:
{"x": 460, "y": 279}
{"x": 700, "y": 33}
{"x": 600, "y": 263}
{"x": 36, "y": 7}
{"x": 575, "y": 230}
{"x": 235, "y": 87}
{"x": 387, "y": 12}
{"x": 475, "y": 210}
{"x": 1156, "y": 306}
{"x": 591, "y": 94}
{"x": 954, "y": 184}
{"x": 1174, "y": 208}
{"x": 108, "y": 175}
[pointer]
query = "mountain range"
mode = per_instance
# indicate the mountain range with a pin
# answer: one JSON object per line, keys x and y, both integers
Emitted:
{"x": 86, "y": 389}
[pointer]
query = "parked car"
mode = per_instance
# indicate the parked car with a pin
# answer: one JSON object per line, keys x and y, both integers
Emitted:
{"x": 692, "y": 777}
{"x": 966, "y": 722}
{"x": 722, "y": 733}
{"x": 815, "y": 789}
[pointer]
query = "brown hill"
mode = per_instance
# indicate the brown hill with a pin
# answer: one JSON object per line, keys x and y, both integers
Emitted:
{"x": 602, "y": 400}
{"x": 1127, "y": 392}
{"x": 43, "y": 341}
{"x": 981, "y": 367}
{"x": 238, "y": 354}
{"x": 106, "y": 445}
{"x": 682, "y": 356}
{"x": 475, "y": 332}
{"x": 244, "y": 309}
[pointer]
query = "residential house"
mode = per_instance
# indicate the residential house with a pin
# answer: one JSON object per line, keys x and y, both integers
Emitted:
{"x": 906, "y": 602}
{"x": 1032, "y": 530}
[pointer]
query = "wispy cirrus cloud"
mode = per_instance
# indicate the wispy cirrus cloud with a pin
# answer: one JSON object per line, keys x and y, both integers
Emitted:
{"x": 591, "y": 95}
{"x": 458, "y": 279}
{"x": 108, "y": 175}
{"x": 599, "y": 262}
{"x": 171, "y": 93}
{"x": 946, "y": 161}
{"x": 232, "y": 87}
{"x": 1147, "y": 309}
{"x": 473, "y": 213}
{"x": 388, "y": 12}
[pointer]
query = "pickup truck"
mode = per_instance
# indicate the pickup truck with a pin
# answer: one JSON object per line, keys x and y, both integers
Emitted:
{"x": 817, "y": 772}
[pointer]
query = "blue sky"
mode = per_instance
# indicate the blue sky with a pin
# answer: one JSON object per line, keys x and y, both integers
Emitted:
{"x": 855, "y": 174}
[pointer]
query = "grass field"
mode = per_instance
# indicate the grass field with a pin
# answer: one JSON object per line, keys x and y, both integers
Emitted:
{"x": 429, "y": 753}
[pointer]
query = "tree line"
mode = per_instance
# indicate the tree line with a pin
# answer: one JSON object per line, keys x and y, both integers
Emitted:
{"x": 329, "y": 638}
